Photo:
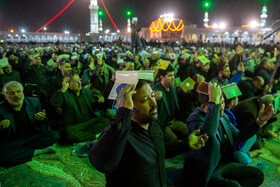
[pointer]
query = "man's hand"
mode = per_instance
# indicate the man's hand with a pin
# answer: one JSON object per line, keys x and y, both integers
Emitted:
{"x": 158, "y": 95}
{"x": 214, "y": 92}
{"x": 265, "y": 114}
{"x": 127, "y": 101}
{"x": 40, "y": 116}
{"x": 266, "y": 90}
{"x": 101, "y": 99}
{"x": 65, "y": 84}
{"x": 241, "y": 67}
{"x": 4, "y": 124}
{"x": 200, "y": 79}
{"x": 196, "y": 142}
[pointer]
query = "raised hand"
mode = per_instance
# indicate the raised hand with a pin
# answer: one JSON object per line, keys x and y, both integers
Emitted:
{"x": 265, "y": 114}
{"x": 127, "y": 101}
{"x": 158, "y": 95}
{"x": 65, "y": 84}
{"x": 214, "y": 92}
{"x": 196, "y": 142}
{"x": 4, "y": 124}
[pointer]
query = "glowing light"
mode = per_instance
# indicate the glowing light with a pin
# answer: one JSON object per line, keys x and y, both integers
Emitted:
{"x": 168, "y": 17}
{"x": 222, "y": 25}
{"x": 161, "y": 26}
{"x": 12, "y": 30}
{"x": 215, "y": 26}
{"x": 23, "y": 30}
{"x": 66, "y": 32}
{"x": 109, "y": 15}
{"x": 128, "y": 13}
{"x": 107, "y": 31}
{"x": 56, "y": 16}
{"x": 253, "y": 24}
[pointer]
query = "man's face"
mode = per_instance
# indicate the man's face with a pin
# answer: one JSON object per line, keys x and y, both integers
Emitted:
{"x": 8, "y": 69}
{"x": 226, "y": 73}
{"x": 145, "y": 105}
{"x": 239, "y": 49}
{"x": 146, "y": 63}
{"x": 114, "y": 59}
{"x": 268, "y": 65}
{"x": 169, "y": 79}
{"x": 75, "y": 83}
{"x": 205, "y": 67}
{"x": 38, "y": 61}
{"x": 14, "y": 95}
{"x": 258, "y": 84}
{"x": 66, "y": 68}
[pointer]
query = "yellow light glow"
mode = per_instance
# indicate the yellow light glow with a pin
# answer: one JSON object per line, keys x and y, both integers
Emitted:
{"x": 161, "y": 26}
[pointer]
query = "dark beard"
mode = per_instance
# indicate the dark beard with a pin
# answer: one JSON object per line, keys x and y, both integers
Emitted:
{"x": 143, "y": 118}
{"x": 224, "y": 77}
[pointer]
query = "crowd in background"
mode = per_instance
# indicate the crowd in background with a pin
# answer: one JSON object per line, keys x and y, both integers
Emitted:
{"x": 72, "y": 83}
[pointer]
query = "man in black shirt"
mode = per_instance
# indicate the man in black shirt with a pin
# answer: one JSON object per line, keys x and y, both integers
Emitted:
{"x": 168, "y": 106}
{"x": 77, "y": 121}
{"x": 251, "y": 88}
{"x": 8, "y": 74}
{"x": 23, "y": 130}
{"x": 131, "y": 150}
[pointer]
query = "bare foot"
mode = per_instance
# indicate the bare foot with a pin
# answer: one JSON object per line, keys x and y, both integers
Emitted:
{"x": 255, "y": 153}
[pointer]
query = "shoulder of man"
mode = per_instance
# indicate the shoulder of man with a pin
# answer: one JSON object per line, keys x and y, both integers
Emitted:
{"x": 31, "y": 100}
{"x": 157, "y": 86}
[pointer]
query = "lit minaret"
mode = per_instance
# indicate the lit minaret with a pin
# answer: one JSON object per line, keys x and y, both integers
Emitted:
{"x": 93, "y": 16}
{"x": 263, "y": 16}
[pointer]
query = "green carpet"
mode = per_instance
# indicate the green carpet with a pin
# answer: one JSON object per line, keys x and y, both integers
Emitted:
{"x": 65, "y": 169}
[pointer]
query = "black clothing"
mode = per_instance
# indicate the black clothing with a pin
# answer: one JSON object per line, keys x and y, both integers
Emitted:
{"x": 19, "y": 151}
{"x": 247, "y": 89}
{"x": 22, "y": 123}
{"x": 131, "y": 155}
{"x": 14, "y": 76}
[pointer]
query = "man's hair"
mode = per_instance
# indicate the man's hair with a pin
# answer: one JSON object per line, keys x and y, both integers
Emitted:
{"x": 203, "y": 98}
{"x": 11, "y": 83}
{"x": 227, "y": 101}
{"x": 257, "y": 78}
{"x": 162, "y": 72}
{"x": 141, "y": 83}
{"x": 71, "y": 75}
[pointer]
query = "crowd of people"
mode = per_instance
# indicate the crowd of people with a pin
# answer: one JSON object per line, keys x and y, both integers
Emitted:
{"x": 58, "y": 93}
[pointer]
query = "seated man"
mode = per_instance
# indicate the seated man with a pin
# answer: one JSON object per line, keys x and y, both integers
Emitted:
{"x": 23, "y": 131}
{"x": 8, "y": 74}
{"x": 246, "y": 112}
{"x": 131, "y": 151}
{"x": 169, "y": 108}
{"x": 251, "y": 88}
{"x": 213, "y": 165}
{"x": 224, "y": 73}
{"x": 77, "y": 121}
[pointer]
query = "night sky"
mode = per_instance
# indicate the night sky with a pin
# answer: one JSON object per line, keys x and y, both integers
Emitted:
{"x": 33, "y": 14}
